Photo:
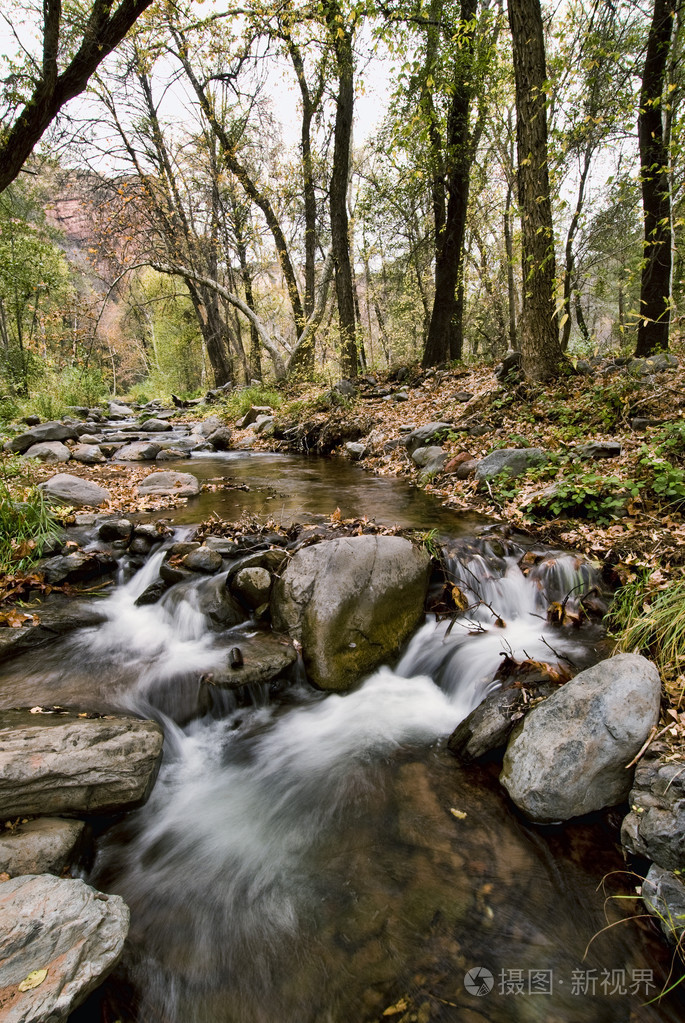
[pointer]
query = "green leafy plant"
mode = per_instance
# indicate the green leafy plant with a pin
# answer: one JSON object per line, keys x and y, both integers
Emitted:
{"x": 26, "y": 523}
{"x": 585, "y": 494}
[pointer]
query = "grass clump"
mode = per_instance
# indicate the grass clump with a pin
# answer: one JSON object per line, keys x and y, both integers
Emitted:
{"x": 27, "y": 525}
{"x": 236, "y": 403}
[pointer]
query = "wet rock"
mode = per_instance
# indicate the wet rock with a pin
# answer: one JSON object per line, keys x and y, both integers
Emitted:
{"x": 140, "y": 545}
{"x": 216, "y": 602}
{"x": 601, "y": 449}
{"x": 155, "y": 426}
{"x": 172, "y": 455}
{"x": 46, "y": 845}
{"x": 220, "y": 439}
{"x": 176, "y": 484}
{"x": 183, "y": 547}
{"x": 222, "y": 545}
{"x": 203, "y": 559}
{"x": 252, "y": 586}
{"x": 139, "y": 451}
{"x": 77, "y": 567}
{"x": 514, "y": 461}
{"x": 53, "y": 622}
{"x": 61, "y": 763}
{"x": 174, "y": 573}
{"x": 569, "y": 756}
{"x": 488, "y": 726}
{"x": 425, "y": 434}
{"x": 193, "y": 442}
{"x": 89, "y": 454}
{"x": 663, "y": 893}
{"x": 265, "y": 657}
{"x": 115, "y": 529}
{"x": 38, "y": 434}
{"x": 64, "y": 927}
{"x": 355, "y": 450}
{"x": 50, "y": 451}
{"x": 152, "y": 593}
{"x": 655, "y": 826}
{"x": 351, "y": 602}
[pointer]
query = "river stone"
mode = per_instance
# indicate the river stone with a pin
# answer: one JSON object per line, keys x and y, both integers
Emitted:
{"x": 155, "y": 426}
{"x": 355, "y": 449}
{"x": 203, "y": 559}
{"x": 172, "y": 455}
{"x": 77, "y": 567}
{"x": 487, "y": 727}
{"x": 54, "y": 621}
{"x": 209, "y": 425}
{"x": 117, "y": 409}
{"x": 515, "y": 461}
{"x": 65, "y": 927}
{"x": 73, "y": 490}
{"x": 601, "y": 449}
{"x": 569, "y": 756}
{"x": 216, "y": 602}
{"x": 49, "y": 451}
{"x": 89, "y": 454}
{"x": 265, "y": 657}
{"x": 424, "y": 434}
{"x": 193, "y": 442}
{"x": 663, "y": 893}
{"x": 85, "y": 435}
{"x": 46, "y": 845}
{"x": 351, "y": 602}
{"x": 431, "y": 459}
{"x": 220, "y": 439}
{"x": 44, "y": 432}
{"x": 61, "y": 763}
{"x": 115, "y": 529}
{"x": 139, "y": 451}
{"x": 252, "y": 585}
{"x": 655, "y": 826}
{"x": 165, "y": 484}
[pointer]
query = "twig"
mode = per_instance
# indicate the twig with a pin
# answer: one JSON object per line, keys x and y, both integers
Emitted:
{"x": 654, "y": 734}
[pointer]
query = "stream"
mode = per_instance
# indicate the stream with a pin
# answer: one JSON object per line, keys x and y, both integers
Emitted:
{"x": 300, "y": 859}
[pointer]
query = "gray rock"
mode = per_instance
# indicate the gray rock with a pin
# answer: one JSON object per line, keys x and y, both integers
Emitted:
{"x": 514, "y": 461}
{"x": 140, "y": 545}
{"x": 172, "y": 455}
{"x": 46, "y": 845}
{"x": 77, "y": 566}
{"x": 176, "y": 484}
{"x": 655, "y": 826}
{"x": 54, "y": 621}
{"x": 86, "y": 437}
{"x": 252, "y": 586}
{"x": 67, "y": 489}
{"x": 203, "y": 559}
{"x": 210, "y": 425}
{"x": 89, "y": 454}
{"x": 263, "y": 424}
{"x": 115, "y": 529}
{"x": 570, "y": 754}
{"x": 63, "y": 764}
{"x": 38, "y": 434}
{"x": 641, "y": 423}
{"x": 425, "y": 434}
{"x": 430, "y": 459}
{"x": 351, "y": 602}
{"x": 601, "y": 449}
{"x": 117, "y": 409}
{"x": 220, "y": 439}
{"x": 463, "y": 396}
{"x": 663, "y": 893}
{"x": 355, "y": 450}
{"x": 192, "y": 442}
{"x": 155, "y": 426}
{"x": 252, "y": 415}
{"x": 661, "y": 362}
{"x": 345, "y": 387}
{"x": 222, "y": 545}
{"x": 265, "y": 658}
{"x": 488, "y": 726}
{"x": 62, "y": 926}
{"x": 215, "y": 601}
{"x": 139, "y": 451}
{"x": 50, "y": 451}
{"x": 467, "y": 469}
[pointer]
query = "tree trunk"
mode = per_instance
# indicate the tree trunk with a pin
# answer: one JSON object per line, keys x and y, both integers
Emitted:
{"x": 341, "y": 36}
{"x": 655, "y": 290}
{"x": 539, "y": 329}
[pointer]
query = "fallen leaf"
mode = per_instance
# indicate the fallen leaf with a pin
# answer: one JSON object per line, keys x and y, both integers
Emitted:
{"x": 459, "y": 814}
{"x": 34, "y": 979}
{"x": 400, "y": 1006}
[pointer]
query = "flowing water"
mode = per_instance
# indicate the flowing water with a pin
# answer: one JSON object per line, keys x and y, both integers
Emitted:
{"x": 311, "y": 858}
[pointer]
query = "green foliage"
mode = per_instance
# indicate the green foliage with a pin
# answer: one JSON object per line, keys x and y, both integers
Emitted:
{"x": 430, "y": 541}
{"x": 603, "y": 406}
{"x": 648, "y": 620}
{"x": 302, "y": 408}
{"x": 26, "y": 523}
{"x": 584, "y": 494}
{"x": 663, "y": 480}
{"x": 238, "y": 402}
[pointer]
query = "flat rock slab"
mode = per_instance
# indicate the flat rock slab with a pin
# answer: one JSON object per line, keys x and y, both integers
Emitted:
{"x": 62, "y": 763}
{"x": 68, "y": 489}
{"x": 265, "y": 658}
{"x": 569, "y": 757}
{"x": 168, "y": 484}
{"x": 43, "y": 846}
{"x": 61, "y": 926}
{"x": 53, "y": 621}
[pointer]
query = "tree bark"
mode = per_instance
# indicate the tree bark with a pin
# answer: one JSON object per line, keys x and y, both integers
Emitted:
{"x": 655, "y": 290}
{"x": 538, "y": 325}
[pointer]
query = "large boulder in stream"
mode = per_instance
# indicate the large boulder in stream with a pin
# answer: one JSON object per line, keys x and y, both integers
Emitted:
{"x": 58, "y": 941}
{"x": 67, "y": 489}
{"x": 351, "y": 603}
{"x": 167, "y": 484}
{"x": 570, "y": 754}
{"x": 62, "y": 763}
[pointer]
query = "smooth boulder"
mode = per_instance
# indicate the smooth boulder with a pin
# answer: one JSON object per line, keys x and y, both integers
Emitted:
{"x": 570, "y": 754}
{"x": 351, "y": 603}
{"x": 58, "y": 941}
{"x": 44, "y": 432}
{"x": 68, "y": 489}
{"x": 168, "y": 484}
{"x": 49, "y": 451}
{"x": 65, "y": 764}
{"x": 138, "y": 451}
{"x": 513, "y": 461}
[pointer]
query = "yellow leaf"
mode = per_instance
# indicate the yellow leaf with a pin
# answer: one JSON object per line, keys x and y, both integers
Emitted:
{"x": 400, "y": 1006}
{"x": 34, "y": 979}
{"x": 459, "y": 814}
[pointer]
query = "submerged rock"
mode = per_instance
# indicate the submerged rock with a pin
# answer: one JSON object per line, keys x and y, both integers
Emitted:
{"x": 351, "y": 602}
{"x": 43, "y": 846}
{"x": 63, "y": 928}
{"x": 62, "y": 763}
{"x": 73, "y": 490}
{"x": 570, "y": 754}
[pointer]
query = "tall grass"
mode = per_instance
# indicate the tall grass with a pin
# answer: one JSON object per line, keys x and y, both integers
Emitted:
{"x": 26, "y": 522}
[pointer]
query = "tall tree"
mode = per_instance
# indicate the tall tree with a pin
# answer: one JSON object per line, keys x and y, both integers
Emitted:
{"x": 539, "y": 328}
{"x": 87, "y": 38}
{"x": 655, "y": 292}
